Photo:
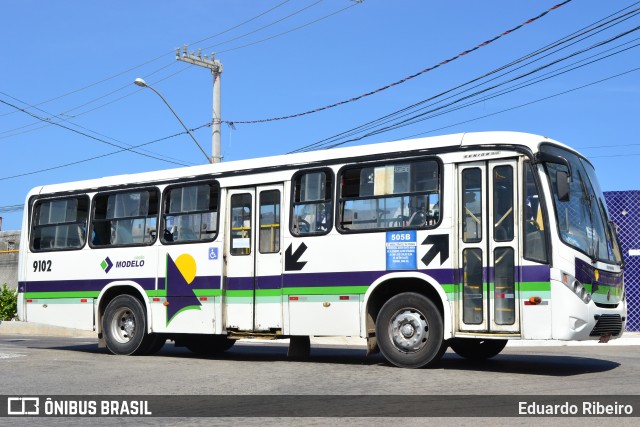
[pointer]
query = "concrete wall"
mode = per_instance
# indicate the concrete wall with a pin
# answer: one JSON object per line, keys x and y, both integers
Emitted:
{"x": 9, "y": 244}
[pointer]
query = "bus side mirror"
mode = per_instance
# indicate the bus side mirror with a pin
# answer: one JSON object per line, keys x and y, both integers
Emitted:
{"x": 562, "y": 186}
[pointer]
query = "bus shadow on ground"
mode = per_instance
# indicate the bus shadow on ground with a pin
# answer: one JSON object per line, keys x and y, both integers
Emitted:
{"x": 525, "y": 364}
{"x": 278, "y": 353}
{"x": 544, "y": 365}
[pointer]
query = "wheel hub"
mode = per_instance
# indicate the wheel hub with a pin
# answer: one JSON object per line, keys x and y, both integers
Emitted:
{"x": 123, "y": 326}
{"x": 409, "y": 330}
{"x": 128, "y": 326}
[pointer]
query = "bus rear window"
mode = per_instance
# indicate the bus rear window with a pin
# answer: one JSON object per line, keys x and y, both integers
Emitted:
{"x": 59, "y": 224}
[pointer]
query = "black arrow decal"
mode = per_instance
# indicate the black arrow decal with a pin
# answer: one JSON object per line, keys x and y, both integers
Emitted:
{"x": 291, "y": 258}
{"x": 440, "y": 244}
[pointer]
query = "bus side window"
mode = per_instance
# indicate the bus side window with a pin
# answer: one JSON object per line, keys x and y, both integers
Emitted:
{"x": 386, "y": 196}
{"x": 124, "y": 218}
{"x": 241, "y": 224}
{"x": 503, "y": 217}
{"x": 59, "y": 224}
{"x": 312, "y": 203}
{"x": 190, "y": 213}
{"x": 471, "y": 205}
{"x": 269, "y": 235}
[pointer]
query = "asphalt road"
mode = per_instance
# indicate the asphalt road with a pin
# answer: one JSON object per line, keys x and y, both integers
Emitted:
{"x": 31, "y": 365}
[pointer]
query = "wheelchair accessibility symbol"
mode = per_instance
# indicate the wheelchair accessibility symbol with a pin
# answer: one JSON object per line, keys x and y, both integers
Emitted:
{"x": 213, "y": 253}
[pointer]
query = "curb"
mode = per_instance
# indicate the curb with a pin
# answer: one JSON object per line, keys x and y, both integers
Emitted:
{"x": 38, "y": 329}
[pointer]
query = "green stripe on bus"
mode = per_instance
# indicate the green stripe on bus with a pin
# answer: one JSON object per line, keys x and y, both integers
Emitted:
{"x": 41, "y": 295}
{"x": 207, "y": 292}
{"x": 449, "y": 289}
{"x": 326, "y": 290}
{"x": 535, "y": 287}
{"x": 239, "y": 294}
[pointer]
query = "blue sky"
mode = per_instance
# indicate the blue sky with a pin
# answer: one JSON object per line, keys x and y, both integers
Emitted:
{"x": 73, "y": 62}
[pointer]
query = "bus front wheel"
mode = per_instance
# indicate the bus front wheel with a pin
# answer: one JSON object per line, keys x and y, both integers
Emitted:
{"x": 124, "y": 326}
{"x": 409, "y": 330}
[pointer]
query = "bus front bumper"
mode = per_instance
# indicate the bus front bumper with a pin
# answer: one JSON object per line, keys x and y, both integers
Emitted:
{"x": 574, "y": 320}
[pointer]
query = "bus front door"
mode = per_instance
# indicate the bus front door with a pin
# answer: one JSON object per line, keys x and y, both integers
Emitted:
{"x": 488, "y": 292}
{"x": 252, "y": 289}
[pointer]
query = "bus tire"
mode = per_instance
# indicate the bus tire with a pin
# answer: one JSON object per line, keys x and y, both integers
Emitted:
{"x": 409, "y": 330}
{"x": 477, "y": 349}
{"x": 124, "y": 326}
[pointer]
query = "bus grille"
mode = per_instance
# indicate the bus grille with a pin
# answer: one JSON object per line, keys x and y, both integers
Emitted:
{"x": 607, "y": 324}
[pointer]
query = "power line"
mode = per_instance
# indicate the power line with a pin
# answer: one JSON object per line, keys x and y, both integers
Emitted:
{"x": 525, "y": 104}
{"x": 205, "y": 124}
{"x": 50, "y": 121}
{"x": 93, "y": 158}
{"x": 74, "y": 124}
{"x": 404, "y": 80}
{"x": 189, "y": 67}
{"x": 405, "y": 137}
{"x": 423, "y": 116}
{"x": 289, "y": 31}
{"x": 265, "y": 26}
{"x": 31, "y": 125}
{"x": 89, "y": 136}
{"x": 241, "y": 24}
{"x": 420, "y": 117}
{"x": 149, "y": 62}
{"x": 387, "y": 118}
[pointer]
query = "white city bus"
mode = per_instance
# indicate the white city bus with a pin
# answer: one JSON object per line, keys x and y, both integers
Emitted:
{"x": 461, "y": 241}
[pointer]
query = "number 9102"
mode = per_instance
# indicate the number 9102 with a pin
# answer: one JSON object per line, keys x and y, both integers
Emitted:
{"x": 41, "y": 266}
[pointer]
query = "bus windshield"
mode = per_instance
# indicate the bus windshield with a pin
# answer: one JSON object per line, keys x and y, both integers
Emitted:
{"x": 582, "y": 217}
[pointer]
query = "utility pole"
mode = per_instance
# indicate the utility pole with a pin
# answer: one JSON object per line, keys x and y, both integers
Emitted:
{"x": 216, "y": 69}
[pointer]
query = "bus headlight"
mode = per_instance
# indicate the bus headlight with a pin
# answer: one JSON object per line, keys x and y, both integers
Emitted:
{"x": 578, "y": 288}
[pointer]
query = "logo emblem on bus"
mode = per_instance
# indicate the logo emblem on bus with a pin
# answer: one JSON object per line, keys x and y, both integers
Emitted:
{"x": 106, "y": 264}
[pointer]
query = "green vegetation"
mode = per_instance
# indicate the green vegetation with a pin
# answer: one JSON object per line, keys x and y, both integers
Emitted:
{"x": 8, "y": 303}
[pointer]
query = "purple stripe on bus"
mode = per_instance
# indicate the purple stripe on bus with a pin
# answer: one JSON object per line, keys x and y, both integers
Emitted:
{"x": 538, "y": 273}
{"x": 268, "y": 282}
{"x": 203, "y": 282}
{"x": 239, "y": 283}
{"x": 535, "y": 273}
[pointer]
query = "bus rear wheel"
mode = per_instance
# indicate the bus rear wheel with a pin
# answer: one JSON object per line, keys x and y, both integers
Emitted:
{"x": 477, "y": 349}
{"x": 124, "y": 326}
{"x": 409, "y": 330}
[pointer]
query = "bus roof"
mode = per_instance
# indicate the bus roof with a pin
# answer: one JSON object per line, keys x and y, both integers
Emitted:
{"x": 480, "y": 139}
